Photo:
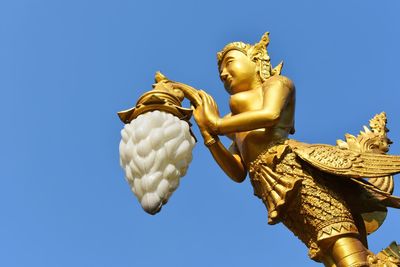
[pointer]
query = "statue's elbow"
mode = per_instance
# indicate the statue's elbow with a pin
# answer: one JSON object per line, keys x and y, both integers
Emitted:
{"x": 275, "y": 117}
{"x": 271, "y": 118}
{"x": 238, "y": 177}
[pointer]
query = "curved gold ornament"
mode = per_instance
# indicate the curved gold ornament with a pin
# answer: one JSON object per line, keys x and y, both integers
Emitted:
{"x": 163, "y": 97}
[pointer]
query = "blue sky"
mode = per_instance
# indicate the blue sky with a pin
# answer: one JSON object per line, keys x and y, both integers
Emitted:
{"x": 67, "y": 67}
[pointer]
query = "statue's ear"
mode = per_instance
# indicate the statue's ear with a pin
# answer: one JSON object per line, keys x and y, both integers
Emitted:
{"x": 263, "y": 69}
{"x": 258, "y": 66}
{"x": 258, "y": 69}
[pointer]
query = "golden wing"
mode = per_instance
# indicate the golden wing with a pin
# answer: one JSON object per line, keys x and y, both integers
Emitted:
{"x": 357, "y": 157}
{"x": 372, "y": 140}
{"x": 348, "y": 163}
{"x": 372, "y": 193}
{"x": 385, "y": 184}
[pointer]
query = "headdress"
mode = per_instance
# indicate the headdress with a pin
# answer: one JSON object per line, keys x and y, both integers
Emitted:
{"x": 257, "y": 53}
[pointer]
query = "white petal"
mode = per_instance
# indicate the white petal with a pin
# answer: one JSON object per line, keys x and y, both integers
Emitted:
{"x": 148, "y": 161}
{"x": 137, "y": 184}
{"x": 137, "y": 169}
{"x": 163, "y": 188}
{"x": 156, "y": 138}
{"x": 174, "y": 183}
{"x": 171, "y": 146}
{"x": 184, "y": 126}
{"x": 183, "y": 150}
{"x": 124, "y": 135}
{"x": 159, "y": 160}
{"x": 156, "y": 118}
{"x": 151, "y": 203}
{"x": 151, "y": 181}
{"x": 171, "y": 131}
{"x": 141, "y": 130}
{"x": 169, "y": 172}
{"x": 143, "y": 148}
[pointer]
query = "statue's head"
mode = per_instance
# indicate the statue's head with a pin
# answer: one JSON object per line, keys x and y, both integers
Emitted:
{"x": 257, "y": 54}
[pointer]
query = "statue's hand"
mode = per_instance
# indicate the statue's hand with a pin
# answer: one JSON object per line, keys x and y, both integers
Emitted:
{"x": 188, "y": 91}
{"x": 206, "y": 114}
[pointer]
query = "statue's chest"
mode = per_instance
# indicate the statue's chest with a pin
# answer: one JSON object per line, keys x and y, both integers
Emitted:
{"x": 246, "y": 101}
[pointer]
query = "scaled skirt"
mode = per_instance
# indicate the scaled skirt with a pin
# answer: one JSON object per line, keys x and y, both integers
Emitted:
{"x": 306, "y": 203}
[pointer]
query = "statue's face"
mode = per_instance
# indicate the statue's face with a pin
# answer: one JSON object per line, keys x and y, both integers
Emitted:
{"x": 238, "y": 72}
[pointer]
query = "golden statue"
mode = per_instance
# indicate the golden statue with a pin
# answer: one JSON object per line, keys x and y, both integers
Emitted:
{"x": 330, "y": 197}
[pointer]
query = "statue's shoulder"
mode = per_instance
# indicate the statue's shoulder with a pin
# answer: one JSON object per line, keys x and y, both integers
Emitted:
{"x": 279, "y": 81}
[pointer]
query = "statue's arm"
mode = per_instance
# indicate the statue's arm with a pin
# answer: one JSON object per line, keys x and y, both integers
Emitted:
{"x": 230, "y": 163}
{"x": 277, "y": 91}
{"x": 228, "y": 160}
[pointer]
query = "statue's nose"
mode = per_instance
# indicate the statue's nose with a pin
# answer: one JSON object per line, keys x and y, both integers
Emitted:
{"x": 223, "y": 75}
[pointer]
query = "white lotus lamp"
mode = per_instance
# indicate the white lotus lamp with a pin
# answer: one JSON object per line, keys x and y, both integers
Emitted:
{"x": 157, "y": 143}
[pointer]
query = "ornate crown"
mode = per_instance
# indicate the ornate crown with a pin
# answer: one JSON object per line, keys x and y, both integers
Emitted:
{"x": 257, "y": 53}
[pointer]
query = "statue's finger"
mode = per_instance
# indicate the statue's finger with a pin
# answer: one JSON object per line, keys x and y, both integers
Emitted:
{"x": 210, "y": 100}
{"x": 203, "y": 96}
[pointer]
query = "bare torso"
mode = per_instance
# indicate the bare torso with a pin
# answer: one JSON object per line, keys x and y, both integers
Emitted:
{"x": 252, "y": 143}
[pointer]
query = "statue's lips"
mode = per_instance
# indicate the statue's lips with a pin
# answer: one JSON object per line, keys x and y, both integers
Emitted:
{"x": 228, "y": 81}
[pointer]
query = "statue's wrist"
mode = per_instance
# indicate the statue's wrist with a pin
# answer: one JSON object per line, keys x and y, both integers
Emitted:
{"x": 216, "y": 126}
{"x": 209, "y": 139}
